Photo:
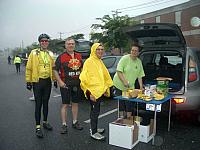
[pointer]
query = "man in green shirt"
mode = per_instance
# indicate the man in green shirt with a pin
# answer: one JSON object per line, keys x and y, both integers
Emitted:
{"x": 128, "y": 70}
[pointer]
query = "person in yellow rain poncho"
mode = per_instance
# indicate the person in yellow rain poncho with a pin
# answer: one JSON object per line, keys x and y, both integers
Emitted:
{"x": 95, "y": 83}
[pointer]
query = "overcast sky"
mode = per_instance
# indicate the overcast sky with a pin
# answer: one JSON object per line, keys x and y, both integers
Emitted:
{"x": 24, "y": 20}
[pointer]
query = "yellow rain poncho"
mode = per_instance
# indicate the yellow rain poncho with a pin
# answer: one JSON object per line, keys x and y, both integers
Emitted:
{"x": 95, "y": 76}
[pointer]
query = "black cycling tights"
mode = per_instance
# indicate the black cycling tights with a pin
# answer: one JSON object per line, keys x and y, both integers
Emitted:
{"x": 42, "y": 91}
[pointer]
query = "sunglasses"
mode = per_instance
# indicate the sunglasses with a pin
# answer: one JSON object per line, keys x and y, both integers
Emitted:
{"x": 44, "y": 41}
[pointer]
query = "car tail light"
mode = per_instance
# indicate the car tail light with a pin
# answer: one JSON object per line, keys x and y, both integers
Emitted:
{"x": 192, "y": 74}
{"x": 192, "y": 71}
{"x": 178, "y": 100}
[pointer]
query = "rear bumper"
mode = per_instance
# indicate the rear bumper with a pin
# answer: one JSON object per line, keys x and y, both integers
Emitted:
{"x": 191, "y": 102}
{"x": 185, "y": 107}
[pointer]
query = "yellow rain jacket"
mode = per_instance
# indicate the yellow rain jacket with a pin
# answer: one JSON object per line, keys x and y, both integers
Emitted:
{"x": 32, "y": 72}
{"x": 17, "y": 60}
{"x": 95, "y": 76}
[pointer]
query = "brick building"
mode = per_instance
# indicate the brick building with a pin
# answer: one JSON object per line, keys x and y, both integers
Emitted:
{"x": 180, "y": 14}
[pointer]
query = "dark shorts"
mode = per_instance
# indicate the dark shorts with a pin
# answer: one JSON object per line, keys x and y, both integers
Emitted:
{"x": 70, "y": 94}
{"x": 126, "y": 106}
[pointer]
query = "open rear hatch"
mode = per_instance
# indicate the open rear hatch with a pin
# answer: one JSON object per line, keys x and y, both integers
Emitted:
{"x": 157, "y": 34}
{"x": 162, "y": 54}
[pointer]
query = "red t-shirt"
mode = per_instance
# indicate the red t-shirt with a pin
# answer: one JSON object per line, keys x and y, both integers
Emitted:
{"x": 69, "y": 68}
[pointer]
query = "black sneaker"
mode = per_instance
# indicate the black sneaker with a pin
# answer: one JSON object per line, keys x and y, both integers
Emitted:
{"x": 77, "y": 126}
{"x": 39, "y": 133}
{"x": 63, "y": 129}
{"x": 47, "y": 126}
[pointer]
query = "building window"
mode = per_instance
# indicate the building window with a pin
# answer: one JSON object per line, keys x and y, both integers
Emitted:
{"x": 158, "y": 19}
{"x": 178, "y": 18}
{"x": 141, "y": 21}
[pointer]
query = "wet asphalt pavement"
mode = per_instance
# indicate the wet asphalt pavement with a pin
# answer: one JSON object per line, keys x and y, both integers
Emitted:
{"x": 17, "y": 129}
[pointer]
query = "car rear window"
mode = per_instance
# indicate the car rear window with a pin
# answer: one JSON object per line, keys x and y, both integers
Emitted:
{"x": 154, "y": 58}
{"x": 172, "y": 59}
{"x": 83, "y": 46}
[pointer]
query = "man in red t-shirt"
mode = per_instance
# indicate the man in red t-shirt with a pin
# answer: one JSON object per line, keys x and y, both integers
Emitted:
{"x": 67, "y": 70}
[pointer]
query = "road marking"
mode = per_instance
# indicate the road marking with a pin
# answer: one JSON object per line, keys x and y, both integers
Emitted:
{"x": 103, "y": 115}
{"x": 58, "y": 95}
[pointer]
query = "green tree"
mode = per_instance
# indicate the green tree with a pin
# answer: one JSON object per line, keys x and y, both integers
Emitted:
{"x": 77, "y": 36}
{"x": 31, "y": 47}
{"x": 96, "y": 37}
{"x": 112, "y": 30}
{"x": 56, "y": 46}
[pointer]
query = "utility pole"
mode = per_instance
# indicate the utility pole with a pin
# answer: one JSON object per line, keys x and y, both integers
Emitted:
{"x": 60, "y": 35}
{"x": 116, "y": 12}
{"x": 22, "y": 45}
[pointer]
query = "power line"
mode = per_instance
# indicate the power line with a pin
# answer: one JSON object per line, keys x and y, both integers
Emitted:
{"x": 73, "y": 31}
{"x": 147, "y": 3}
{"x": 135, "y": 7}
{"x": 151, "y": 5}
{"x": 144, "y": 5}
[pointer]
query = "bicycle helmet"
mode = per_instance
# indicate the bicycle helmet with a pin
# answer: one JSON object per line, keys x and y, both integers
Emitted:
{"x": 43, "y": 35}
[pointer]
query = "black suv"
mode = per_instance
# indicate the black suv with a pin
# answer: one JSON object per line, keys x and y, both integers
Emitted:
{"x": 83, "y": 47}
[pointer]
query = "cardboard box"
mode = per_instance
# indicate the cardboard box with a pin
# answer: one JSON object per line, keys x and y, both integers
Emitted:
{"x": 146, "y": 132}
{"x": 128, "y": 121}
{"x": 123, "y": 135}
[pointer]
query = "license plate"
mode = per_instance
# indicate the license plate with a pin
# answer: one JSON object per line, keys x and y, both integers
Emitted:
{"x": 151, "y": 107}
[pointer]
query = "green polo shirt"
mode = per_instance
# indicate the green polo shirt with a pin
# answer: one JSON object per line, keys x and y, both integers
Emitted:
{"x": 132, "y": 69}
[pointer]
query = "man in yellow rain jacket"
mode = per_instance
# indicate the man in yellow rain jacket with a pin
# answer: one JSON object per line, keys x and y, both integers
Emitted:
{"x": 96, "y": 83}
{"x": 39, "y": 74}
